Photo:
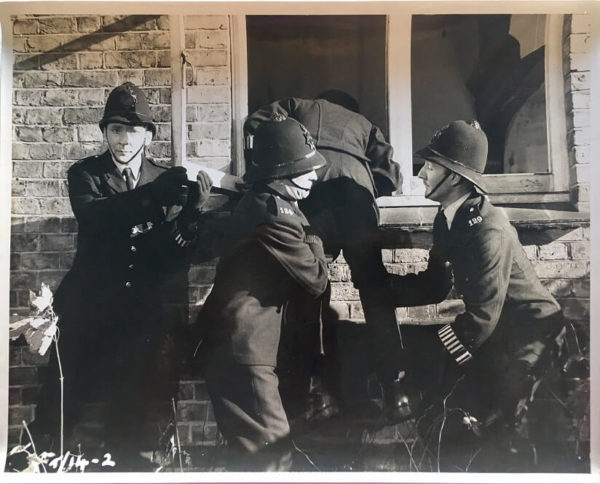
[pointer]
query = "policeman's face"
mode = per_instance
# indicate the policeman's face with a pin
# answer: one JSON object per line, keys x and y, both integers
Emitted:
{"x": 432, "y": 174}
{"x": 299, "y": 187}
{"x": 126, "y": 142}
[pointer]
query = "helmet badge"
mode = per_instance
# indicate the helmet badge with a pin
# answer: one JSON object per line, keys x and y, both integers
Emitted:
{"x": 132, "y": 96}
{"x": 308, "y": 139}
{"x": 278, "y": 117}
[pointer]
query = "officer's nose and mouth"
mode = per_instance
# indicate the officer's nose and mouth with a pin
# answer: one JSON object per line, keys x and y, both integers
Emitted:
{"x": 423, "y": 176}
{"x": 305, "y": 181}
{"x": 299, "y": 186}
{"x": 125, "y": 142}
{"x": 302, "y": 184}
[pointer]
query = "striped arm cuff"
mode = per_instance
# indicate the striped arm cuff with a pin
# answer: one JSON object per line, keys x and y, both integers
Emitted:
{"x": 453, "y": 345}
{"x": 179, "y": 238}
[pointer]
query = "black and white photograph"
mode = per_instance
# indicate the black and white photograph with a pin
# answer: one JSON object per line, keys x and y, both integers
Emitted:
{"x": 308, "y": 240}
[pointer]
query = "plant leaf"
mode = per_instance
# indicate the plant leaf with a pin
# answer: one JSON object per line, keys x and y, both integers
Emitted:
{"x": 39, "y": 338}
{"x": 19, "y": 448}
{"x": 38, "y": 321}
{"x": 43, "y": 300}
{"x": 19, "y": 327}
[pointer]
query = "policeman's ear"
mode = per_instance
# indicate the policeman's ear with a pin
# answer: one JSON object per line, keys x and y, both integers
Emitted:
{"x": 148, "y": 138}
{"x": 455, "y": 179}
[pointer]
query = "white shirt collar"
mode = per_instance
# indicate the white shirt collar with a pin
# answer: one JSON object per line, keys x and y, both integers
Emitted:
{"x": 135, "y": 165}
{"x": 450, "y": 210}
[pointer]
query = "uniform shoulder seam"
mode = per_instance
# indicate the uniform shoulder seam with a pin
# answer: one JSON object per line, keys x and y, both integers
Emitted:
{"x": 159, "y": 164}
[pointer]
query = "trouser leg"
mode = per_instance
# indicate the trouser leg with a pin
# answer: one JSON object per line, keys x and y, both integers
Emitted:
{"x": 72, "y": 358}
{"x": 250, "y": 416}
{"x": 386, "y": 346}
{"x": 139, "y": 407}
{"x": 45, "y": 429}
{"x": 128, "y": 398}
{"x": 355, "y": 213}
{"x": 384, "y": 334}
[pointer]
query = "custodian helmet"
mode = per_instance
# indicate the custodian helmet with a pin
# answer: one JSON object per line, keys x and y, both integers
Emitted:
{"x": 283, "y": 148}
{"x": 127, "y": 104}
{"x": 462, "y": 148}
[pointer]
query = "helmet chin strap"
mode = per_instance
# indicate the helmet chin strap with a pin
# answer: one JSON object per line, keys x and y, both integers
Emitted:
{"x": 125, "y": 162}
{"x": 439, "y": 184}
{"x": 298, "y": 186}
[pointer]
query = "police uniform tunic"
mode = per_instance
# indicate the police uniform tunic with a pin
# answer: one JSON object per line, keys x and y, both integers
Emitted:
{"x": 117, "y": 335}
{"x": 269, "y": 263}
{"x": 359, "y": 168}
{"x": 506, "y": 334}
{"x": 342, "y": 209}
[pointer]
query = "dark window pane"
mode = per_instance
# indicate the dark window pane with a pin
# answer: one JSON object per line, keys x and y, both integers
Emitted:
{"x": 304, "y": 55}
{"x": 484, "y": 67}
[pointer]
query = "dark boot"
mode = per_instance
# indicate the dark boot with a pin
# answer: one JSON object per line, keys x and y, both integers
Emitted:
{"x": 401, "y": 402}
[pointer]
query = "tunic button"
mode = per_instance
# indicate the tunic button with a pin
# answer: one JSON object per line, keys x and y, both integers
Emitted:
{"x": 133, "y": 248}
{"x": 130, "y": 266}
{"x": 128, "y": 284}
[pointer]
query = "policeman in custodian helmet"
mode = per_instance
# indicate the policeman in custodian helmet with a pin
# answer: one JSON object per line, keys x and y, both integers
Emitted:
{"x": 489, "y": 360}
{"x": 269, "y": 266}
{"x": 137, "y": 222}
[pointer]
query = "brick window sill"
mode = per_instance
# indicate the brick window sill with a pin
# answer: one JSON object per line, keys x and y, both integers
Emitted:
{"x": 420, "y": 218}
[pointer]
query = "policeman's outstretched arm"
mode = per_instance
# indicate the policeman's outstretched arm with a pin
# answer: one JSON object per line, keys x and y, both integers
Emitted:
{"x": 169, "y": 188}
{"x": 430, "y": 286}
{"x": 186, "y": 225}
{"x": 98, "y": 212}
{"x": 484, "y": 290}
{"x": 197, "y": 196}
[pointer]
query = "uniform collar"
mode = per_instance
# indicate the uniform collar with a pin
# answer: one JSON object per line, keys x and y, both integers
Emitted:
{"x": 450, "y": 210}
{"x": 279, "y": 191}
{"x": 135, "y": 165}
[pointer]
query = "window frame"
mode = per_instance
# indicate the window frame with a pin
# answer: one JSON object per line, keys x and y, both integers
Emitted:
{"x": 551, "y": 187}
{"x": 503, "y": 188}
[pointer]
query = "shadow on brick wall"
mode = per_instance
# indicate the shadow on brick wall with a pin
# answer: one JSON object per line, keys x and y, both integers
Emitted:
{"x": 84, "y": 42}
{"x": 42, "y": 250}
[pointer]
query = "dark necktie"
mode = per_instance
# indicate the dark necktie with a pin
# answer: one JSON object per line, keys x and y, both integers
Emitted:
{"x": 440, "y": 227}
{"x": 444, "y": 219}
{"x": 129, "y": 178}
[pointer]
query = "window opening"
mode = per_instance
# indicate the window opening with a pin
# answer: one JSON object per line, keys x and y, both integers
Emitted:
{"x": 485, "y": 67}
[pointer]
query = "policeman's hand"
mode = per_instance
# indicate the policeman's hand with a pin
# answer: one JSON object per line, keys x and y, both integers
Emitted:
{"x": 316, "y": 245}
{"x": 204, "y": 183}
{"x": 199, "y": 192}
{"x": 170, "y": 186}
{"x": 448, "y": 278}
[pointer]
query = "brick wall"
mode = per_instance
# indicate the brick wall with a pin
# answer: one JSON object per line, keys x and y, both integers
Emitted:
{"x": 577, "y": 41}
{"x": 207, "y": 46}
{"x": 64, "y": 69}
